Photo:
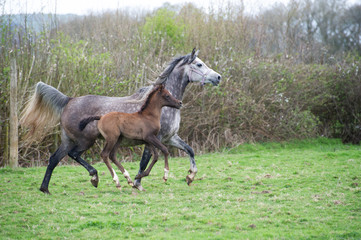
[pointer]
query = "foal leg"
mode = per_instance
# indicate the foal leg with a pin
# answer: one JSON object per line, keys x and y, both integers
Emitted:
{"x": 155, "y": 159}
{"x": 113, "y": 157}
{"x": 59, "y": 154}
{"x": 177, "y": 142}
{"x": 108, "y": 148}
{"x": 112, "y": 172}
{"x": 158, "y": 144}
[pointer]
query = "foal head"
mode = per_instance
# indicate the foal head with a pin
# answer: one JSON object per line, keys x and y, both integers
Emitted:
{"x": 163, "y": 97}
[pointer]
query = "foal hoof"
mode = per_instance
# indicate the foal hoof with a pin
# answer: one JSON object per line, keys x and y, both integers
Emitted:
{"x": 138, "y": 186}
{"x": 46, "y": 191}
{"x": 165, "y": 179}
{"x": 95, "y": 180}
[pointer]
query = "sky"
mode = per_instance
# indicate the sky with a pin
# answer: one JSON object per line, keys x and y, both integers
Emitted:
{"x": 82, "y": 7}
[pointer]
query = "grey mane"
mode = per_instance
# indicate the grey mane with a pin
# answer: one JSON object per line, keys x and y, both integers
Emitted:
{"x": 187, "y": 59}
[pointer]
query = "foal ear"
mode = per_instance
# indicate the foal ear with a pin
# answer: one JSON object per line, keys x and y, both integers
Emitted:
{"x": 159, "y": 86}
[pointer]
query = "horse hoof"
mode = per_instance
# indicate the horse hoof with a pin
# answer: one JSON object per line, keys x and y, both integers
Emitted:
{"x": 189, "y": 180}
{"x": 138, "y": 186}
{"x": 119, "y": 187}
{"x": 95, "y": 180}
{"x": 165, "y": 179}
{"x": 131, "y": 184}
{"x": 46, "y": 191}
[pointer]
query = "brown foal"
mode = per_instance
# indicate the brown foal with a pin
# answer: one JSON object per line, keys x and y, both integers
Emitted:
{"x": 143, "y": 125}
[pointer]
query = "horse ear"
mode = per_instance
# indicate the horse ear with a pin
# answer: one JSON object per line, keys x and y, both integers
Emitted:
{"x": 194, "y": 54}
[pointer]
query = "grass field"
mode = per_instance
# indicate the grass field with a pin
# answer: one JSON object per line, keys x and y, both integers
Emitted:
{"x": 297, "y": 190}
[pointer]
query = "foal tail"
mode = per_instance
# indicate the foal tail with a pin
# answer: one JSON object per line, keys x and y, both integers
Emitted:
{"x": 42, "y": 111}
{"x": 85, "y": 121}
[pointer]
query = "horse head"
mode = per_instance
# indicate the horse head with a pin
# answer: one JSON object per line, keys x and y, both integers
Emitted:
{"x": 198, "y": 71}
{"x": 194, "y": 69}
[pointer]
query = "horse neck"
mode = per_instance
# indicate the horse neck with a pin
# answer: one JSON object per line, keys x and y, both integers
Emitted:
{"x": 153, "y": 109}
{"x": 177, "y": 83}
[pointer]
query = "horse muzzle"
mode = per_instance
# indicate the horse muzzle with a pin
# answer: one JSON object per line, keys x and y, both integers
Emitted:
{"x": 215, "y": 81}
{"x": 180, "y": 104}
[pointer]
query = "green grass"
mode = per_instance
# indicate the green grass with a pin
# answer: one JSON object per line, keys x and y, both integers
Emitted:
{"x": 297, "y": 190}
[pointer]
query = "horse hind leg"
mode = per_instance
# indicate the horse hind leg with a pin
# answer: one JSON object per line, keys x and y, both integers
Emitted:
{"x": 75, "y": 154}
{"x": 59, "y": 154}
{"x": 113, "y": 157}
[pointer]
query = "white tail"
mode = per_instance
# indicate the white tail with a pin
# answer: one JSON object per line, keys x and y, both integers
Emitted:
{"x": 42, "y": 111}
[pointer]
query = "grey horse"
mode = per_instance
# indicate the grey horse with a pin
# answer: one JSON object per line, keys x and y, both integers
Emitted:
{"x": 48, "y": 105}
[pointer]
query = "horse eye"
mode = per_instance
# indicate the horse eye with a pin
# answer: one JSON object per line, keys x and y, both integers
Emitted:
{"x": 199, "y": 65}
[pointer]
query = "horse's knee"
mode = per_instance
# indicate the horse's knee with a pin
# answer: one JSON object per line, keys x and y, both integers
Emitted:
{"x": 104, "y": 155}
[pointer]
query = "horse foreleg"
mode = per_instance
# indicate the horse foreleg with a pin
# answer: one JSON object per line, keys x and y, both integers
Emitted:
{"x": 177, "y": 142}
{"x": 53, "y": 162}
{"x": 147, "y": 154}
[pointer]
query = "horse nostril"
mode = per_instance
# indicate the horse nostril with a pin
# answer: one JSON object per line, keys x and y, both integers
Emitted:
{"x": 219, "y": 77}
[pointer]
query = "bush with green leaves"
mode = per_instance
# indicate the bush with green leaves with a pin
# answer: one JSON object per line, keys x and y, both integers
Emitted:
{"x": 163, "y": 30}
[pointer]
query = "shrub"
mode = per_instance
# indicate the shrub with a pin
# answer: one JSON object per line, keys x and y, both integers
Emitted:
{"x": 163, "y": 30}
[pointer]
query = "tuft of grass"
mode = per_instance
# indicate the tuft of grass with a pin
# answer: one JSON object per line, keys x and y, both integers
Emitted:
{"x": 294, "y": 190}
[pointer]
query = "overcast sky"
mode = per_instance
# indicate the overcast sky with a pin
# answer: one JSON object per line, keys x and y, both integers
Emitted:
{"x": 98, "y": 6}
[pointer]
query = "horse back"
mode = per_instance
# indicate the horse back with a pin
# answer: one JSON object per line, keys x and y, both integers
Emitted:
{"x": 93, "y": 105}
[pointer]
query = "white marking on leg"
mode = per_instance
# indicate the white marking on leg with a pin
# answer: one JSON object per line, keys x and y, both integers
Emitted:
{"x": 115, "y": 178}
{"x": 166, "y": 172}
{"x": 126, "y": 174}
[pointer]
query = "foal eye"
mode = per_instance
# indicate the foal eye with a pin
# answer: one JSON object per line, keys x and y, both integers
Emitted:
{"x": 199, "y": 65}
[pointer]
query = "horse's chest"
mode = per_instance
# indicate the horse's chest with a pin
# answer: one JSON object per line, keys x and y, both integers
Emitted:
{"x": 170, "y": 125}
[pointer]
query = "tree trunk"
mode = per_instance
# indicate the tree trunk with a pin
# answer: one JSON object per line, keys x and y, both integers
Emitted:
{"x": 13, "y": 159}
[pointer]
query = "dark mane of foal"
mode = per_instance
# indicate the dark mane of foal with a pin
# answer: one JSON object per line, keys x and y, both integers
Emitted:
{"x": 150, "y": 95}
{"x": 187, "y": 59}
